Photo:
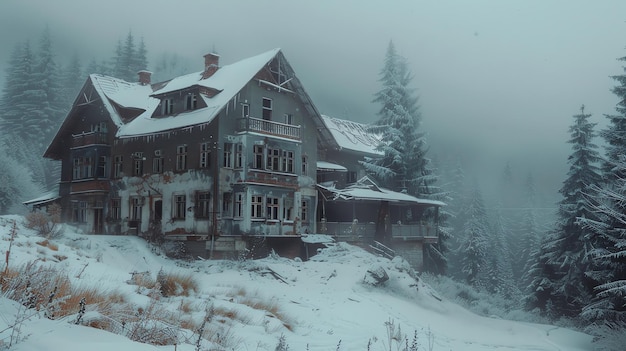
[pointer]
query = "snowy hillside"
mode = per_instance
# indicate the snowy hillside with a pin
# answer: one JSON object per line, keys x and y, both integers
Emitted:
{"x": 328, "y": 303}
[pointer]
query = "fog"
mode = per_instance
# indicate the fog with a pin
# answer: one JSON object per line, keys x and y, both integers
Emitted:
{"x": 498, "y": 81}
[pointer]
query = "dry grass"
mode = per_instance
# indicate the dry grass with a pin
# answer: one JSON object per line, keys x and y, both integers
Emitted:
{"x": 36, "y": 283}
{"x": 176, "y": 284}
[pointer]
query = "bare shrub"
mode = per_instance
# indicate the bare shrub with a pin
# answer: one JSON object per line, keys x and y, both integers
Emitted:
{"x": 46, "y": 224}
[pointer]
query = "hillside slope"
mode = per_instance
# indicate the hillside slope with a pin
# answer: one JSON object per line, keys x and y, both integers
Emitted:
{"x": 327, "y": 303}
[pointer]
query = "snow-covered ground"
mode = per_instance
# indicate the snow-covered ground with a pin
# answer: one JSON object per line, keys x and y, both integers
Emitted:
{"x": 322, "y": 304}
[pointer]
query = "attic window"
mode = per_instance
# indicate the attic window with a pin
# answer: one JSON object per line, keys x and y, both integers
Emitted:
{"x": 167, "y": 106}
{"x": 191, "y": 102}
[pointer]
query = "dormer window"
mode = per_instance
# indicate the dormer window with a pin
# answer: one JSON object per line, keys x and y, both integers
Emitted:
{"x": 191, "y": 102}
{"x": 167, "y": 106}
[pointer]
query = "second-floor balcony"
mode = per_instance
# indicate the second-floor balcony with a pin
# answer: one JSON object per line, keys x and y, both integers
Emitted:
{"x": 278, "y": 129}
{"x": 89, "y": 138}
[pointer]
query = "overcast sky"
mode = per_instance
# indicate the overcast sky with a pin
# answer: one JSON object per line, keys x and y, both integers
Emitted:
{"x": 498, "y": 80}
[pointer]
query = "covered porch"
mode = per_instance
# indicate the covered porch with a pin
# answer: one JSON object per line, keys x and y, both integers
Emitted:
{"x": 365, "y": 212}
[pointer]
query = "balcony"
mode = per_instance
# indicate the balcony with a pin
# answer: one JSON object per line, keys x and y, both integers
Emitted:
{"x": 89, "y": 138}
{"x": 283, "y": 130}
{"x": 345, "y": 231}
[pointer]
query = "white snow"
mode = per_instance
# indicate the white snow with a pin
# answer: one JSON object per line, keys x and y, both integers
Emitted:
{"x": 328, "y": 166}
{"x": 228, "y": 80}
{"x": 353, "y": 136}
{"x": 315, "y": 305}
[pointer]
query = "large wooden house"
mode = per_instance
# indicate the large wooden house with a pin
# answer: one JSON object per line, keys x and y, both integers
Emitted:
{"x": 225, "y": 160}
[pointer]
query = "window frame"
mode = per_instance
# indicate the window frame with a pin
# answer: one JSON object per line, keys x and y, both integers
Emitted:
{"x": 179, "y": 206}
{"x": 181, "y": 157}
{"x": 203, "y": 204}
{"x": 256, "y": 207}
{"x": 267, "y": 106}
{"x": 205, "y": 155}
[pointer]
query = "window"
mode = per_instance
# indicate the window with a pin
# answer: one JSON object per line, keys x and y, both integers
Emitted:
{"x": 202, "y": 204}
{"x": 304, "y": 211}
{"x": 305, "y": 165}
{"x": 138, "y": 164}
{"x": 205, "y": 155}
{"x": 273, "y": 159}
{"x": 118, "y": 162}
{"x": 256, "y": 207}
{"x": 351, "y": 177}
{"x": 227, "y": 204}
{"x": 245, "y": 110}
{"x": 180, "y": 206}
{"x": 191, "y": 102}
{"x": 136, "y": 204}
{"x": 82, "y": 168}
{"x": 272, "y": 208}
{"x": 167, "y": 106}
{"x": 267, "y": 109}
{"x": 101, "y": 170}
{"x": 79, "y": 211}
{"x": 181, "y": 157}
{"x": 116, "y": 209}
{"x": 239, "y": 205}
{"x": 238, "y": 155}
{"x": 288, "y": 210}
{"x": 288, "y": 118}
{"x": 287, "y": 165}
{"x": 258, "y": 157}
{"x": 228, "y": 155}
{"x": 99, "y": 127}
{"x": 157, "y": 165}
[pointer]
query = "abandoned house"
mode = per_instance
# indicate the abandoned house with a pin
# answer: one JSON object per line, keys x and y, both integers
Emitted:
{"x": 227, "y": 160}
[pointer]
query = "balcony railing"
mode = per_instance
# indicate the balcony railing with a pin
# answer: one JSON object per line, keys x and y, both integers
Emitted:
{"x": 284, "y": 130}
{"x": 347, "y": 230}
{"x": 89, "y": 138}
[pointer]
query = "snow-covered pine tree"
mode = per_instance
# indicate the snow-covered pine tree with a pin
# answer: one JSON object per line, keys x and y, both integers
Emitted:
{"x": 403, "y": 165}
{"x": 527, "y": 238}
{"x": 610, "y": 230}
{"x": 561, "y": 273}
{"x": 501, "y": 270}
{"x": 129, "y": 59}
{"x": 474, "y": 247}
{"x": 607, "y": 305}
{"x": 72, "y": 80}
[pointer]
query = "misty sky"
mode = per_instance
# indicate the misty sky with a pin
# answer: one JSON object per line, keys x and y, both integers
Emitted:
{"x": 498, "y": 80}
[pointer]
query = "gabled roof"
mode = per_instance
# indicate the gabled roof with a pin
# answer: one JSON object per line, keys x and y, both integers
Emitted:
{"x": 366, "y": 189}
{"x": 353, "y": 136}
{"x": 123, "y": 93}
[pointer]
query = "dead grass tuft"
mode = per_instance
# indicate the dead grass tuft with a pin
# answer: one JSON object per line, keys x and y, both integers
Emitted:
{"x": 176, "y": 284}
{"x": 48, "y": 244}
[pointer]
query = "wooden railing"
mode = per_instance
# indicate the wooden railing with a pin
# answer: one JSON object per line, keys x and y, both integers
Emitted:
{"x": 252, "y": 124}
{"x": 89, "y": 138}
{"x": 368, "y": 230}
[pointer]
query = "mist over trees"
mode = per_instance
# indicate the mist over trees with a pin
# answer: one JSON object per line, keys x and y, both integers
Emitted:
{"x": 37, "y": 95}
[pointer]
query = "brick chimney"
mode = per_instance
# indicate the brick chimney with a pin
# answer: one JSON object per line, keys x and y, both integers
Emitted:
{"x": 211, "y": 64}
{"x": 144, "y": 77}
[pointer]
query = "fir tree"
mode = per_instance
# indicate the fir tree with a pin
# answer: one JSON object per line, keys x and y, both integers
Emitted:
{"x": 561, "y": 273}
{"x": 403, "y": 165}
{"x": 475, "y": 242}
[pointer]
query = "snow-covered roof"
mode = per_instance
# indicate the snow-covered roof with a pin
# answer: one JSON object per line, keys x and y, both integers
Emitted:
{"x": 228, "y": 80}
{"x": 353, "y": 135}
{"x": 123, "y": 93}
{"x": 43, "y": 199}
{"x": 327, "y": 166}
{"x": 366, "y": 190}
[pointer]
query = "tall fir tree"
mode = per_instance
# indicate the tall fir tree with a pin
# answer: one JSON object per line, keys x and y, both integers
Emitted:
{"x": 475, "y": 242}
{"x": 560, "y": 271}
{"x": 610, "y": 230}
{"x": 404, "y": 166}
